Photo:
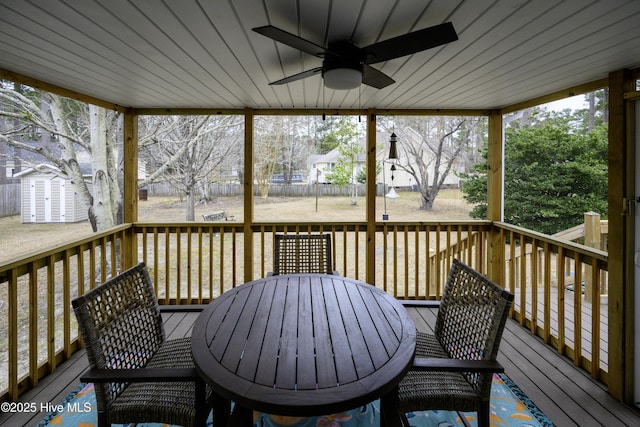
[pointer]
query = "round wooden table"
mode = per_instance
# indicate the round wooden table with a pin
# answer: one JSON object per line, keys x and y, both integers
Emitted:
{"x": 303, "y": 345}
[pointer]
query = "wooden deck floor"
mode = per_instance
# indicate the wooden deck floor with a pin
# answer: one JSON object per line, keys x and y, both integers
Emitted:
{"x": 565, "y": 394}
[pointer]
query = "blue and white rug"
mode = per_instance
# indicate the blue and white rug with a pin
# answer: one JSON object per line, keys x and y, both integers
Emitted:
{"x": 510, "y": 407}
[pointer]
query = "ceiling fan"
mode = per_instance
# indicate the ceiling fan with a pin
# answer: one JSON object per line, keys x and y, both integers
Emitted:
{"x": 346, "y": 66}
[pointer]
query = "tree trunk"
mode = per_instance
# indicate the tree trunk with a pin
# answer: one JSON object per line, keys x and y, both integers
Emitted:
{"x": 592, "y": 111}
{"x": 104, "y": 207}
{"x": 68, "y": 161}
{"x": 427, "y": 202}
{"x": 190, "y": 206}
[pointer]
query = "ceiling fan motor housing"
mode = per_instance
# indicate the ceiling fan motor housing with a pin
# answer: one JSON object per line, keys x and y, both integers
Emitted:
{"x": 342, "y": 66}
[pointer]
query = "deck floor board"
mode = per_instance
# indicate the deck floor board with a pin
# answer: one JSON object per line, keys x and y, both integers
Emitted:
{"x": 567, "y": 395}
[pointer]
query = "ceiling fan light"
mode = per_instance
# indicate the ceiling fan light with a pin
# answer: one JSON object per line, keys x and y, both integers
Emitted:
{"x": 342, "y": 78}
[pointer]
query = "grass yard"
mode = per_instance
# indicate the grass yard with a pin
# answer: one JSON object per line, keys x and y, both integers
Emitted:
{"x": 18, "y": 240}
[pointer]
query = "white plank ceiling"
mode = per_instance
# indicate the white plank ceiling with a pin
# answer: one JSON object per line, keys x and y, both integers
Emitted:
{"x": 202, "y": 53}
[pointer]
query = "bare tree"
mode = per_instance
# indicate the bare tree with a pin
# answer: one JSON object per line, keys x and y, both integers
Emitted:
{"x": 187, "y": 152}
{"x": 79, "y": 129}
{"x": 429, "y": 148}
{"x": 268, "y": 145}
{"x": 282, "y": 145}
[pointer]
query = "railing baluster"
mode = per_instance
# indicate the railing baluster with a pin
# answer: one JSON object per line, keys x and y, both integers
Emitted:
{"x": 33, "y": 324}
{"x": 406, "y": 261}
{"x": 66, "y": 303}
{"x": 179, "y": 258}
{"x": 561, "y": 274}
{"x": 211, "y": 264}
{"x": 357, "y": 251}
{"x": 595, "y": 320}
{"x": 438, "y": 262}
{"x": 428, "y": 277}
{"x": 417, "y": 260}
{"x": 547, "y": 294}
{"x": 13, "y": 331}
{"x": 221, "y": 251}
{"x": 167, "y": 266}
{"x": 234, "y": 266}
{"x": 577, "y": 311}
{"x": 395, "y": 260}
{"x": 427, "y": 254}
{"x": 200, "y": 265}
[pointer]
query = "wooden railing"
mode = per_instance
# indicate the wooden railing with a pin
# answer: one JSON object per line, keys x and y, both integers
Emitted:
{"x": 37, "y": 328}
{"x": 196, "y": 262}
{"x": 561, "y": 294}
{"x": 193, "y": 263}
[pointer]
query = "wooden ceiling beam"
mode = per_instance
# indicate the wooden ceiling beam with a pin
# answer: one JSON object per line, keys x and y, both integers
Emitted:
{"x": 67, "y": 93}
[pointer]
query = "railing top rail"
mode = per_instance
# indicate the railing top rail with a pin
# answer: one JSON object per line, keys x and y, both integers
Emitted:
{"x": 58, "y": 249}
{"x": 292, "y": 225}
{"x": 571, "y": 248}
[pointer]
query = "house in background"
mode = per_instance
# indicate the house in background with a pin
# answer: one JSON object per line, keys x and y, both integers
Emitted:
{"x": 47, "y": 196}
{"x": 321, "y": 166}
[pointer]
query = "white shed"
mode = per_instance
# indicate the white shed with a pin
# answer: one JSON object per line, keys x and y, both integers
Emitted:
{"x": 48, "y": 197}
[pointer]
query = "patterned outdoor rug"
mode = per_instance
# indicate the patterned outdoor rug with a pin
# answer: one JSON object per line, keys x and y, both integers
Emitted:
{"x": 509, "y": 407}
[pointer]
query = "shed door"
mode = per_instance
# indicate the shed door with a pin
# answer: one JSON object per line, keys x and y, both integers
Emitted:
{"x": 47, "y": 200}
{"x": 40, "y": 200}
{"x": 63, "y": 201}
{"x": 32, "y": 201}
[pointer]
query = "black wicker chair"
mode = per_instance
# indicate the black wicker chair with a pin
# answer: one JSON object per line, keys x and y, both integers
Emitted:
{"x": 302, "y": 253}
{"x": 139, "y": 376}
{"x": 453, "y": 368}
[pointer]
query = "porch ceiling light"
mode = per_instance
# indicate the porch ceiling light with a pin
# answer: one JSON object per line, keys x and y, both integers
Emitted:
{"x": 342, "y": 78}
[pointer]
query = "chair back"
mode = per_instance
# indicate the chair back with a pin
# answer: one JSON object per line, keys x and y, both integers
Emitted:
{"x": 302, "y": 253}
{"x": 471, "y": 318}
{"x": 121, "y": 326}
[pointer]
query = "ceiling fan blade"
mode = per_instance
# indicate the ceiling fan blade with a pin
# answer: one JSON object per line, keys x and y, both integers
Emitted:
{"x": 292, "y": 40}
{"x": 411, "y": 43}
{"x": 298, "y": 76}
{"x": 375, "y": 78}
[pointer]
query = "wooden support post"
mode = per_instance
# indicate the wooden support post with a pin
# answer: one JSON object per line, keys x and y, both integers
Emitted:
{"x": 621, "y": 155}
{"x": 371, "y": 197}
{"x": 495, "y": 269}
{"x": 129, "y": 248}
{"x": 248, "y": 194}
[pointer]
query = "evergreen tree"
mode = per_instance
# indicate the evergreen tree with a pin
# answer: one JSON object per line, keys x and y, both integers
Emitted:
{"x": 553, "y": 175}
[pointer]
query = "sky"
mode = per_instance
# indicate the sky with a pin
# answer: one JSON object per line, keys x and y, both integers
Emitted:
{"x": 575, "y": 103}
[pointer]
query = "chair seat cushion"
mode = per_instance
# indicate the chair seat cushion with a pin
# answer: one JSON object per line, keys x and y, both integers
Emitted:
{"x": 171, "y": 402}
{"x": 421, "y": 390}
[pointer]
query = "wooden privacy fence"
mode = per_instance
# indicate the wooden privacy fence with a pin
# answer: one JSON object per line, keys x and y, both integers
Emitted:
{"x": 9, "y": 199}
{"x": 275, "y": 190}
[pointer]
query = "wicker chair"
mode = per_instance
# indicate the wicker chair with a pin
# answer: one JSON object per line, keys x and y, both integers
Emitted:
{"x": 139, "y": 376}
{"x": 302, "y": 253}
{"x": 453, "y": 368}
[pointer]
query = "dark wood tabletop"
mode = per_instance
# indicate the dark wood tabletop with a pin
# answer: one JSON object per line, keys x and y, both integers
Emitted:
{"x": 303, "y": 344}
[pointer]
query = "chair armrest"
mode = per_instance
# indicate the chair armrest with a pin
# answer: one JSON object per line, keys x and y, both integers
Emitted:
{"x": 184, "y": 308}
{"x": 420, "y": 303}
{"x": 457, "y": 365}
{"x": 146, "y": 375}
